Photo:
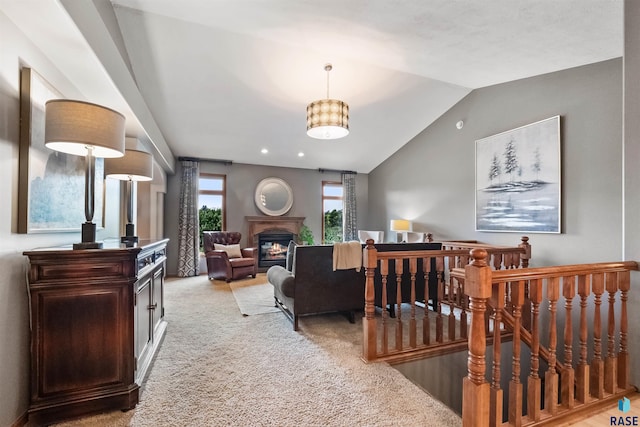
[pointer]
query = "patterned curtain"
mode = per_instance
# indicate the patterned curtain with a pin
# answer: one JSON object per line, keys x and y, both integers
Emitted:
{"x": 188, "y": 221}
{"x": 349, "y": 217}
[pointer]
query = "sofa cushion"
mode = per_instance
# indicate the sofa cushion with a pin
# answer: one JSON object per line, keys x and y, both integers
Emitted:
{"x": 282, "y": 279}
{"x": 291, "y": 249}
{"x": 233, "y": 251}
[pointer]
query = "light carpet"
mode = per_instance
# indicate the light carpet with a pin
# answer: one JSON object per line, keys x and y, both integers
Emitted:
{"x": 254, "y": 296}
{"x": 219, "y": 368}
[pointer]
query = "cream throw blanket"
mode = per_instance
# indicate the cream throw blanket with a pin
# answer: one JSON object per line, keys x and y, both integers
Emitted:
{"x": 347, "y": 255}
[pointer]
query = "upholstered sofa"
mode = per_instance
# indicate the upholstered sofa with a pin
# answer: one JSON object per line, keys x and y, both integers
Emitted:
{"x": 311, "y": 286}
{"x": 226, "y": 262}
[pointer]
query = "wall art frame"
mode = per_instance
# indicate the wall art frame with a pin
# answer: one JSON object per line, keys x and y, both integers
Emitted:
{"x": 518, "y": 179}
{"x": 51, "y": 184}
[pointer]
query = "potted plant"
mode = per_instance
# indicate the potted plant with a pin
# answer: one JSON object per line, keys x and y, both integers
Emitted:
{"x": 305, "y": 235}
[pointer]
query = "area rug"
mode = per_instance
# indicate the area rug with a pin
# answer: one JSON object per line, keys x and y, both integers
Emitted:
{"x": 253, "y": 298}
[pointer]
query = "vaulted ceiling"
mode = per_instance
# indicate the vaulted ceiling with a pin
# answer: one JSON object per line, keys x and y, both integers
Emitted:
{"x": 223, "y": 79}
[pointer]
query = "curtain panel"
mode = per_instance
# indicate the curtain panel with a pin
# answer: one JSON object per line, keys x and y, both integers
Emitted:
{"x": 349, "y": 213}
{"x": 188, "y": 221}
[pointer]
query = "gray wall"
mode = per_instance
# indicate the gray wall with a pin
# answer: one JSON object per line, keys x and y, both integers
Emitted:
{"x": 431, "y": 180}
{"x": 14, "y": 308}
{"x": 242, "y": 180}
{"x": 438, "y": 192}
{"x": 631, "y": 198}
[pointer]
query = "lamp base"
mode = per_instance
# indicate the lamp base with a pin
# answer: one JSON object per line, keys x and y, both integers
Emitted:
{"x": 128, "y": 239}
{"x": 129, "y": 231}
{"x": 87, "y": 245}
{"x": 88, "y": 237}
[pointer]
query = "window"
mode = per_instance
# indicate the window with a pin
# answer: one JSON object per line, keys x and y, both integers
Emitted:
{"x": 212, "y": 202}
{"x": 331, "y": 211}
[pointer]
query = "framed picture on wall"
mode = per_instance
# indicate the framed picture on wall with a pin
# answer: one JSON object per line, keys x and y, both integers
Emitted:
{"x": 518, "y": 179}
{"x": 51, "y": 184}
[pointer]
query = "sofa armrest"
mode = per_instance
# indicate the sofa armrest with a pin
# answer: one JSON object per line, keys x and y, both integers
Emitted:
{"x": 282, "y": 279}
{"x": 249, "y": 253}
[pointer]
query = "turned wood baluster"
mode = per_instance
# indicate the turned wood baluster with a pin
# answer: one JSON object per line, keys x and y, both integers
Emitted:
{"x": 497, "y": 261}
{"x": 413, "y": 269}
{"x": 495, "y": 397}
{"x": 534, "y": 382}
{"x": 452, "y": 304}
{"x": 453, "y": 262}
{"x": 426, "y": 326}
{"x": 624, "y": 367}
{"x": 610, "y": 377}
{"x": 568, "y": 375}
{"x": 399, "y": 271}
{"x": 551, "y": 376}
{"x": 384, "y": 273}
{"x": 369, "y": 329}
{"x": 515, "y": 386}
{"x": 440, "y": 272}
{"x": 582, "y": 372}
{"x": 463, "y": 314}
{"x": 526, "y": 256}
{"x": 596, "y": 382}
{"x": 475, "y": 388}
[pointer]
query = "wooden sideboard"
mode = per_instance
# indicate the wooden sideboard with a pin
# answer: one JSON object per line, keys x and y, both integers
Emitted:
{"x": 97, "y": 320}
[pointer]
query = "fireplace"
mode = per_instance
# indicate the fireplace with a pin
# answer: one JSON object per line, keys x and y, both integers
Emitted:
{"x": 273, "y": 248}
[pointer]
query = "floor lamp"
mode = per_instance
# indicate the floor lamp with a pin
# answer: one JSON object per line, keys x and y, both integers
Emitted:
{"x": 134, "y": 166}
{"x": 89, "y": 130}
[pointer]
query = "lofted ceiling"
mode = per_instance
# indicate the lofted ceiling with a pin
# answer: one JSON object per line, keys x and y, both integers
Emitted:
{"x": 223, "y": 79}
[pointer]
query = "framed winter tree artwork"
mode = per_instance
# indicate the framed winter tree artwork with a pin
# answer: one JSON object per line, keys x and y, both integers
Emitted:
{"x": 518, "y": 179}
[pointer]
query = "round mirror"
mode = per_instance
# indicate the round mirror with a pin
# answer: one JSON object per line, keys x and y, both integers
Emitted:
{"x": 273, "y": 196}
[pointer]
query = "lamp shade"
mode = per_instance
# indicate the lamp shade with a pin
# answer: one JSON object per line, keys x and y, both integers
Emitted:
{"x": 73, "y": 127}
{"x": 327, "y": 119}
{"x": 134, "y": 166}
{"x": 401, "y": 225}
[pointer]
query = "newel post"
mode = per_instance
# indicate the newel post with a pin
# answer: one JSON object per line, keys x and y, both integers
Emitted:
{"x": 369, "y": 328}
{"x": 475, "y": 388}
{"x": 526, "y": 256}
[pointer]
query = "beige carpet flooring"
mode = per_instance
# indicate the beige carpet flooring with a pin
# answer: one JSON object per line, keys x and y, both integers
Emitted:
{"x": 217, "y": 367}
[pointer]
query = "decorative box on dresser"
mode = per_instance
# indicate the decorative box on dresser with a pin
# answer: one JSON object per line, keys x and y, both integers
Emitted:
{"x": 97, "y": 320}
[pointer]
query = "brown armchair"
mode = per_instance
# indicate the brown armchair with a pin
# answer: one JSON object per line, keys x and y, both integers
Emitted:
{"x": 232, "y": 263}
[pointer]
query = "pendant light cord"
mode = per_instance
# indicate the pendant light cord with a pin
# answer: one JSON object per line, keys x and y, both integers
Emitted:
{"x": 328, "y": 68}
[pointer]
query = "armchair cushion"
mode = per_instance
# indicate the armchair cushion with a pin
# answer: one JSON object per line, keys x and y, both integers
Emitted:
{"x": 233, "y": 251}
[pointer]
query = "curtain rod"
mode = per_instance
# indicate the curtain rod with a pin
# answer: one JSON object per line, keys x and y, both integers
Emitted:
{"x": 197, "y": 159}
{"x": 336, "y": 170}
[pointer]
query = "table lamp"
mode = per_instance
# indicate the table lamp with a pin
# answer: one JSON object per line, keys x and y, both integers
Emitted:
{"x": 134, "y": 166}
{"x": 400, "y": 226}
{"x": 84, "y": 129}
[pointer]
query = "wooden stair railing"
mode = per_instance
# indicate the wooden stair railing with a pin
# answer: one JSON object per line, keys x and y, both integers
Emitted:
{"x": 416, "y": 331}
{"x": 568, "y": 388}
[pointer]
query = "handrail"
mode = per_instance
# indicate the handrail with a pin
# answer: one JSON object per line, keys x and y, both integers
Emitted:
{"x": 506, "y": 295}
{"x": 423, "y": 332}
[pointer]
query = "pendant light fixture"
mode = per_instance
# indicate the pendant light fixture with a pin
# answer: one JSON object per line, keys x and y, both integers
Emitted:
{"x": 328, "y": 118}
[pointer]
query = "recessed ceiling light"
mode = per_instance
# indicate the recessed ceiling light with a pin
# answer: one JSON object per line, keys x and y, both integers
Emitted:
{"x": 301, "y": 154}
{"x": 264, "y": 151}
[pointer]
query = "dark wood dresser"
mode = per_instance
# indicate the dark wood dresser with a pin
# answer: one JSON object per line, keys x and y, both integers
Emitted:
{"x": 97, "y": 320}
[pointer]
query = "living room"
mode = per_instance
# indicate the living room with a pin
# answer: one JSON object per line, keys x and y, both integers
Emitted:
{"x": 430, "y": 180}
